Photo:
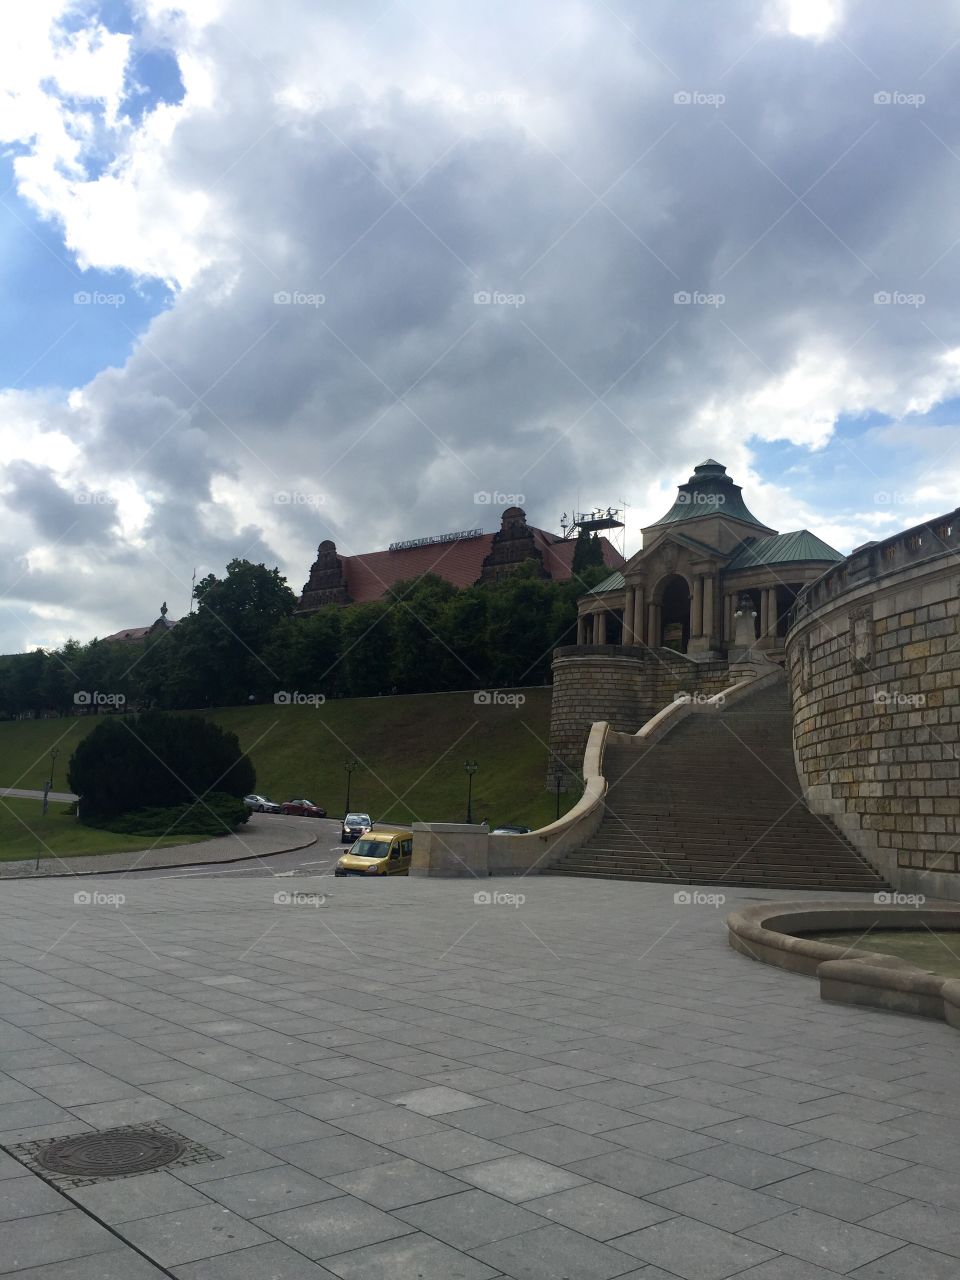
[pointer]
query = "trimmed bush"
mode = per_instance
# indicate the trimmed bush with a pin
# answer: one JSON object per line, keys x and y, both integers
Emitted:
{"x": 156, "y": 761}
{"x": 217, "y": 815}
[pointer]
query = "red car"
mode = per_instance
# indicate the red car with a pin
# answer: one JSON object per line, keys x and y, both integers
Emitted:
{"x": 304, "y": 808}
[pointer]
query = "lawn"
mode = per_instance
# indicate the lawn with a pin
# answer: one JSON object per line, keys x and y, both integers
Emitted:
{"x": 25, "y": 832}
{"x": 411, "y": 751}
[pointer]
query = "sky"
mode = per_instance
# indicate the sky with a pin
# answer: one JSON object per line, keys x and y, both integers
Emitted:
{"x": 370, "y": 269}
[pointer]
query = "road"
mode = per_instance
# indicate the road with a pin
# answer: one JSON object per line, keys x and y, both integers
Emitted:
{"x": 319, "y": 859}
{"x": 18, "y": 793}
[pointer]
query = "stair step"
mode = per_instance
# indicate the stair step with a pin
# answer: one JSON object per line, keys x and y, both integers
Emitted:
{"x": 718, "y": 801}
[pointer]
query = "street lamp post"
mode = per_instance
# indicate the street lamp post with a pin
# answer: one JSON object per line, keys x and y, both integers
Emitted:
{"x": 558, "y": 779}
{"x": 471, "y": 767}
{"x": 54, "y": 752}
{"x": 349, "y": 765}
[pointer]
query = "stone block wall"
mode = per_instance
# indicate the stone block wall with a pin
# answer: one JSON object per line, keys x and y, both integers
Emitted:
{"x": 874, "y": 666}
{"x": 624, "y": 685}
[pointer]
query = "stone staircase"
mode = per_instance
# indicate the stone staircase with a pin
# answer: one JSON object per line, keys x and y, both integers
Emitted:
{"x": 717, "y": 801}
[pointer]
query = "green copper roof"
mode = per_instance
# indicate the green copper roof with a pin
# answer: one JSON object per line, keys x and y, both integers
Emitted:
{"x": 616, "y": 582}
{"x": 709, "y": 492}
{"x": 784, "y": 548}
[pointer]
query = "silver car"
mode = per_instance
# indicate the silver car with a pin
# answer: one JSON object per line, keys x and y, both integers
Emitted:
{"x": 260, "y": 804}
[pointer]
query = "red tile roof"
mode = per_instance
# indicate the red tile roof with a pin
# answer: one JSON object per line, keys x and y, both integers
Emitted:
{"x": 369, "y": 576}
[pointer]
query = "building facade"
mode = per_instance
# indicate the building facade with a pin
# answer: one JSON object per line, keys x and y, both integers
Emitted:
{"x": 711, "y": 586}
{"x": 706, "y": 559}
{"x": 463, "y": 559}
{"x": 134, "y": 635}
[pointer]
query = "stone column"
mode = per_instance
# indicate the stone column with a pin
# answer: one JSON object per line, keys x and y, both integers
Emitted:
{"x": 771, "y": 594}
{"x": 696, "y": 608}
{"x": 629, "y": 604}
{"x": 728, "y": 611}
{"x": 764, "y": 616}
{"x": 638, "y": 617}
{"x": 653, "y": 625}
{"x": 600, "y": 621}
{"x": 708, "y": 623}
{"x": 581, "y": 628}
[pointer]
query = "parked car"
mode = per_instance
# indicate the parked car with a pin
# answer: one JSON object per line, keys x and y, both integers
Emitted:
{"x": 354, "y": 826}
{"x": 304, "y": 808}
{"x": 378, "y": 853}
{"x": 510, "y": 831}
{"x": 260, "y": 804}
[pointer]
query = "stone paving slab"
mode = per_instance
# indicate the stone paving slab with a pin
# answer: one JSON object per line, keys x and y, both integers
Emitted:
{"x": 413, "y": 1085}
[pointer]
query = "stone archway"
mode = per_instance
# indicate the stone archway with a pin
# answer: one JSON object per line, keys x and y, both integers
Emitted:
{"x": 672, "y": 596}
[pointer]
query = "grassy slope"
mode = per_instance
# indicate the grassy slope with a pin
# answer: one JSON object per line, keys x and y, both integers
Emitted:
{"x": 412, "y": 750}
{"x": 26, "y": 833}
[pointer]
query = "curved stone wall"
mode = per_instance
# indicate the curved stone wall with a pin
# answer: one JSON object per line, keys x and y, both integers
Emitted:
{"x": 621, "y": 684}
{"x": 873, "y": 655}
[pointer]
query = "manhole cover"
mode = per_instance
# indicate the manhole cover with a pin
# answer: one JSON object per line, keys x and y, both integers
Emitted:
{"x": 111, "y": 1154}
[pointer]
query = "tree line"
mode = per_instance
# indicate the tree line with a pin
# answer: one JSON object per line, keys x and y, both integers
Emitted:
{"x": 244, "y": 644}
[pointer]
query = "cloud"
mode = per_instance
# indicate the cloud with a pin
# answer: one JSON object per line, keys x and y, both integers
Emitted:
{"x": 586, "y": 165}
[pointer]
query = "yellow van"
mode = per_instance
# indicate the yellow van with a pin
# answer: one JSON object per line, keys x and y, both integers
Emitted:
{"x": 383, "y": 851}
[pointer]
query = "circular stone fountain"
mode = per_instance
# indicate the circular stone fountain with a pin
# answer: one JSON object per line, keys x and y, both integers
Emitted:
{"x": 773, "y": 932}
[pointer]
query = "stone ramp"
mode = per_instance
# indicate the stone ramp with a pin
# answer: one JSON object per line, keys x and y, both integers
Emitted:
{"x": 717, "y": 801}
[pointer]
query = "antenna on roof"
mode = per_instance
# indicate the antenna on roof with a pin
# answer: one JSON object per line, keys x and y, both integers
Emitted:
{"x": 624, "y": 505}
{"x": 590, "y": 521}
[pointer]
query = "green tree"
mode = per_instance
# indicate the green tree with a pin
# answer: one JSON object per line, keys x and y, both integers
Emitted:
{"x": 305, "y": 652}
{"x": 155, "y": 760}
{"x": 466, "y": 629}
{"x": 520, "y": 640}
{"x": 366, "y": 650}
{"x": 422, "y": 660}
{"x": 61, "y": 679}
{"x": 218, "y": 656}
{"x": 26, "y": 672}
{"x": 588, "y": 552}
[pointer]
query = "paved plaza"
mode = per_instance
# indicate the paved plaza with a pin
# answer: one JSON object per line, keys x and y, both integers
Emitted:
{"x": 403, "y": 1083}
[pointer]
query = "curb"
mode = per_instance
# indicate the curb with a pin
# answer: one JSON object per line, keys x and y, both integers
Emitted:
{"x": 165, "y": 866}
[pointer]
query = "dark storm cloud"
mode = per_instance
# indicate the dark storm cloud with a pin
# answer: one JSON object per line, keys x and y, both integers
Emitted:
{"x": 645, "y": 152}
{"x": 78, "y": 517}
